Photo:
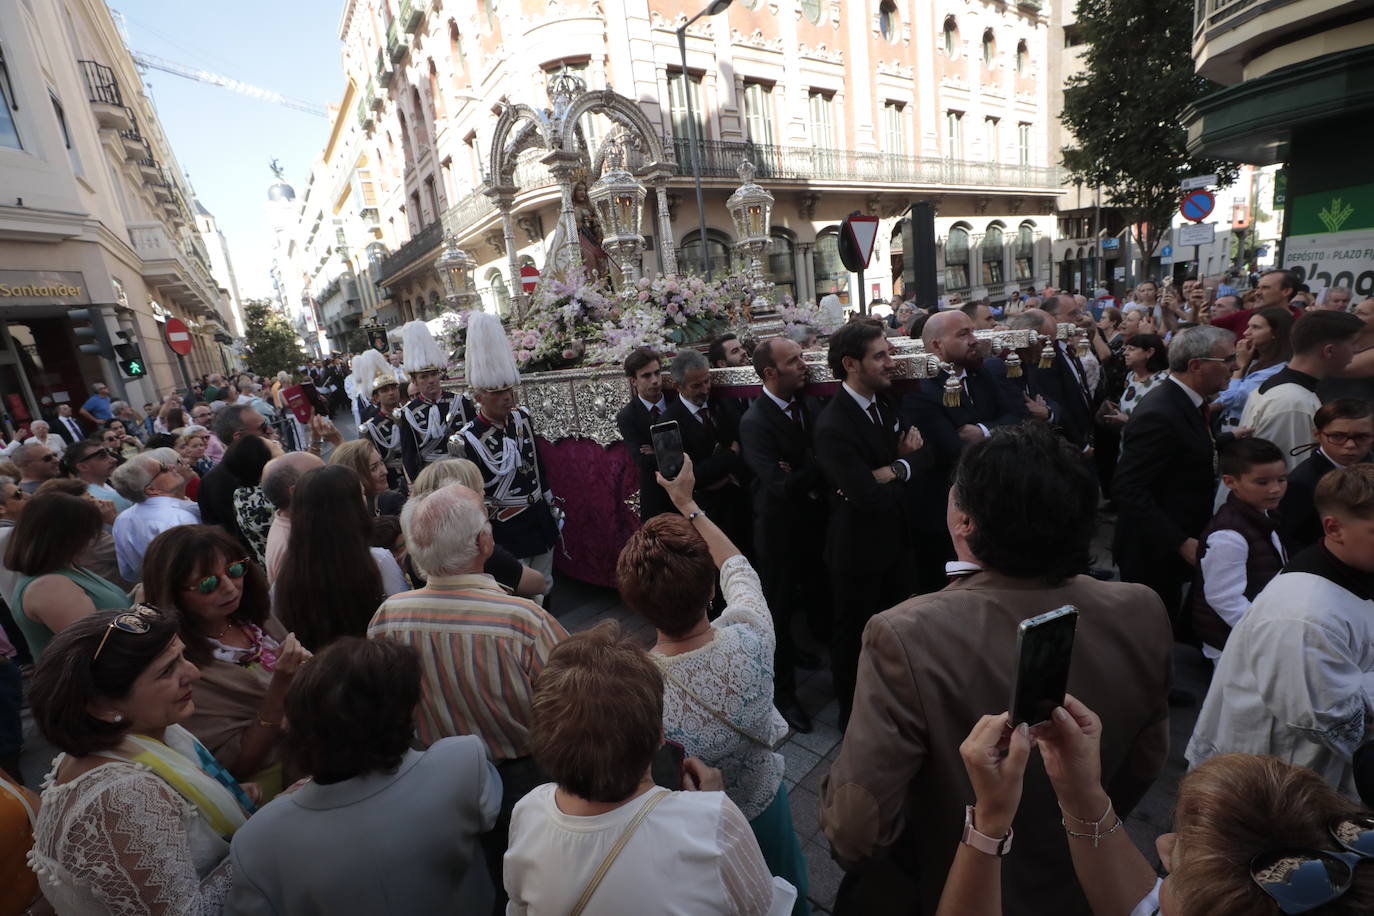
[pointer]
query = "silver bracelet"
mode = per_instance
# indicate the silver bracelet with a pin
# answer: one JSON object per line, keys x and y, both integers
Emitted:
{"x": 692, "y": 516}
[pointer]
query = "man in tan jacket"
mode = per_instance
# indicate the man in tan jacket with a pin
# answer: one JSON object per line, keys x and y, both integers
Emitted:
{"x": 1021, "y": 515}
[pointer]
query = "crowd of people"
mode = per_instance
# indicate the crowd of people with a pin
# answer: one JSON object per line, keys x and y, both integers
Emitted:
{"x": 288, "y": 673}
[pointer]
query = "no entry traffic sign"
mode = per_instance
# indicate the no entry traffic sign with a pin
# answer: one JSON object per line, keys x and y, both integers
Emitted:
{"x": 529, "y": 278}
{"x": 1197, "y": 205}
{"x": 178, "y": 336}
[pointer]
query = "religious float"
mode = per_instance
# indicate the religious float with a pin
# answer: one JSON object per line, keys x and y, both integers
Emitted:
{"x": 572, "y": 334}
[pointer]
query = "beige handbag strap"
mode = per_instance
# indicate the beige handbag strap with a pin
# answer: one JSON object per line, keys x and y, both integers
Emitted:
{"x": 715, "y": 713}
{"x": 607, "y": 862}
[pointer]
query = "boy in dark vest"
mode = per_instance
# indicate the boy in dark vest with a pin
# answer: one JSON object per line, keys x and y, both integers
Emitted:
{"x": 1241, "y": 549}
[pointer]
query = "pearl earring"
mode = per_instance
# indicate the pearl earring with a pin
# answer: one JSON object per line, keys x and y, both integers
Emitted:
{"x": 118, "y": 717}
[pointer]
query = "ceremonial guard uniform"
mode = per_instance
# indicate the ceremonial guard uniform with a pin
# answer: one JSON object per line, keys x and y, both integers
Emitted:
{"x": 381, "y": 412}
{"x": 434, "y": 413}
{"x": 500, "y": 441}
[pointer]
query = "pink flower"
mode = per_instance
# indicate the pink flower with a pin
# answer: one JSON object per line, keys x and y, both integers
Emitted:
{"x": 569, "y": 354}
{"x": 672, "y": 308}
{"x": 531, "y": 341}
{"x": 644, "y": 296}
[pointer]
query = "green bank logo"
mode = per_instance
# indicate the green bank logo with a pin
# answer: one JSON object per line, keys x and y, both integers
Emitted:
{"x": 1336, "y": 214}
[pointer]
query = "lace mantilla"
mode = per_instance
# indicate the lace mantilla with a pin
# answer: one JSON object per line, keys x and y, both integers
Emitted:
{"x": 734, "y": 674}
{"x": 118, "y": 840}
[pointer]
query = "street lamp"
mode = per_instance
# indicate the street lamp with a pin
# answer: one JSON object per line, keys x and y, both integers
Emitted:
{"x": 455, "y": 267}
{"x": 619, "y": 201}
{"x": 717, "y": 6}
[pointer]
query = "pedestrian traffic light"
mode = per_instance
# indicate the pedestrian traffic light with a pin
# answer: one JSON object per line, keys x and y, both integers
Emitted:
{"x": 130, "y": 359}
{"x": 94, "y": 338}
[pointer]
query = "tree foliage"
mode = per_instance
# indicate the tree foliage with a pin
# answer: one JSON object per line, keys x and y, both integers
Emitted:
{"x": 1125, "y": 110}
{"x": 271, "y": 341}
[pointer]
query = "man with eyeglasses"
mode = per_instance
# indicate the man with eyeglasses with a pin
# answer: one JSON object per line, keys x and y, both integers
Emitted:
{"x": 93, "y": 464}
{"x": 1281, "y": 409}
{"x": 157, "y": 489}
{"x": 36, "y": 464}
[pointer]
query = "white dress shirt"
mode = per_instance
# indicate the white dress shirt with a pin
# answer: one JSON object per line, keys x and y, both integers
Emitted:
{"x": 1192, "y": 395}
{"x": 662, "y": 405}
{"x": 73, "y": 427}
{"x": 1224, "y": 580}
{"x": 135, "y": 528}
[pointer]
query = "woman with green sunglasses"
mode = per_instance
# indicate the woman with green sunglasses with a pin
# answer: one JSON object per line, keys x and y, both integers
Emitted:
{"x": 246, "y": 658}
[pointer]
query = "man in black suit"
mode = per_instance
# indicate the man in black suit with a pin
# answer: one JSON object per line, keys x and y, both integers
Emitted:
{"x": 648, "y": 406}
{"x": 67, "y": 425}
{"x": 710, "y": 436}
{"x": 1033, "y": 396}
{"x": 986, "y": 400}
{"x": 1166, "y": 481}
{"x": 789, "y": 512}
{"x": 1065, "y": 383}
{"x": 867, "y": 458}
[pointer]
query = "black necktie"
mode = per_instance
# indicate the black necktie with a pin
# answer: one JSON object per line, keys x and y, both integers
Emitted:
{"x": 795, "y": 410}
{"x": 873, "y": 412}
{"x": 707, "y": 423}
{"x": 653, "y": 412}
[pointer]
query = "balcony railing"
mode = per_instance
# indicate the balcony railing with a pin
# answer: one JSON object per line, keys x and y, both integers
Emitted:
{"x": 803, "y": 163}
{"x": 397, "y": 42}
{"x": 1211, "y": 15}
{"x": 384, "y": 69}
{"x": 412, "y": 14}
{"x": 101, "y": 85}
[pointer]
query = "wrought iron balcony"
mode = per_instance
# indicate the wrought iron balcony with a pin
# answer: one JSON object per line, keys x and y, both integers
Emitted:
{"x": 412, "y": 14}
{"x": 102, "y": 91}
{"x": 365, "y": 113}
{"x": 397, "y": 42}
{"x": 385, "y": 71}
{"x": 804, "y": 163}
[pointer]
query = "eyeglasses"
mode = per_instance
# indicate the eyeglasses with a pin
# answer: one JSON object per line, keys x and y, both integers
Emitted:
{"x": 236, "y": 570}
{"x": 138, "y": 621}
{"x": 1228, "y": 360}
{"x": 1300, "y": 879}
{"x": 1343, "y": 438}
{"x": 95, "y": 453}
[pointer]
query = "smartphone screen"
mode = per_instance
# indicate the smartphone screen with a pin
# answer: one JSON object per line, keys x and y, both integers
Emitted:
{"x": 299, "y": 402}
{"x": 667, "y": 447}
{"x": 1044, "y": 650}
{"x": 667, "y": 765}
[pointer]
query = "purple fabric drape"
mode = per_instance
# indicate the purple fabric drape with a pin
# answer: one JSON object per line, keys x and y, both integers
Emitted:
{"x": 594, "y": 482}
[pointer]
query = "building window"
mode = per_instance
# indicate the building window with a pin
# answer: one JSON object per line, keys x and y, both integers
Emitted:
{"x": 1022, "y": 57}
{"x": 956, "y": 259}
{"x": 949, "y": 38}
{"x": 677, "y": 102}
{"x": 831, "y": 274}
{"x": 782, "y": 264}
{"x": 822, "y": 119}
{"x": 66, "y": 133}
{"x": 993, "y": 253}
{"x": 758, "y": 113}
{"x": 1023, "y": 143}
{"x": 812, "y": 9}
{"x": 417, "y": 219}
{"x": 894, "y": 133}
{"x": 1025, "y": 252}
{"x": 9, "y": 131}
{"x": 954, "y": 134}
{"x": 989, "y": 47}
{"x": 718, "y": 246}
{"x": 500, "y": 294}
{"x": 887, "y": 20}
{"x": 991, "y": 138}
{"x": 433, "y": 194}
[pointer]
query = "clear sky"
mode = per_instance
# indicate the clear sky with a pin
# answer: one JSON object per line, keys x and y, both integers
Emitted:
{"x": 225, "y": 140}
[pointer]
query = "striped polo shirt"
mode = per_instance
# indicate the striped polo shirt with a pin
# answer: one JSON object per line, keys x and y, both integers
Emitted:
{"x": 480, "y": 650}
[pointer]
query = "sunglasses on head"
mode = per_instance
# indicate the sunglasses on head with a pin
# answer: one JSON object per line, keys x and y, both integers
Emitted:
{"x": 236, "y": 570}
{"x": 138, "y": 621}
{"x": 1300, "y": 879}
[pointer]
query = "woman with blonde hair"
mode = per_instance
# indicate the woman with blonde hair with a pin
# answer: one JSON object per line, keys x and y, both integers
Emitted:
{"x": 503, "y": 566}
{"x": 362, "y": 457}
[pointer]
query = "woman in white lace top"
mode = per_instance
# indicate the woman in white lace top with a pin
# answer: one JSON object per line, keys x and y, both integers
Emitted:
{"x": 136, "y": 814}
{"x": 718, "y": 690}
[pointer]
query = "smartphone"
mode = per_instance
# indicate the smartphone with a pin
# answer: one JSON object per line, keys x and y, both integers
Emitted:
{"x": 299, "y": 402}
{"x": 667, "y": 447}
{"x": 1044, "y": 650}
{"x": 667, "y": 768}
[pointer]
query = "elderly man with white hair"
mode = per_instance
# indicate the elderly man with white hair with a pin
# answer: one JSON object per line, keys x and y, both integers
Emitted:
{"x": 42, "y": 433}
{"x": 480, "y": 649}
{"x": 153, "y": 481}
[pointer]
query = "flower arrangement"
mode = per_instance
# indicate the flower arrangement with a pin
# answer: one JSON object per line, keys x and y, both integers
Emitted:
{"x": 580, "y": 323}
{"x": 805, "y": 314}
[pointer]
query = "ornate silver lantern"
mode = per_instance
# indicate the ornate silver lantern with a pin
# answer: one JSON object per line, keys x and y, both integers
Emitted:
{"x": 619, "y": 201}
{"x": 751, "y": 209}
{"x": 455, "y": 267}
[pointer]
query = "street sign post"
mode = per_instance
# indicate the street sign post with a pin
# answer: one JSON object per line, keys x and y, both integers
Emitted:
{"x": 179, "y": 339}
{"x": 857, "y": 236}
{"x": 1197, "y": 205}
{"x": 1196, "y": 182}
{"x": 1201, "y": 234}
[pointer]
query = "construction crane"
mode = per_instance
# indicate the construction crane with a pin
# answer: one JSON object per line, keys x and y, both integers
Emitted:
{"x": 214, "y": 79}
